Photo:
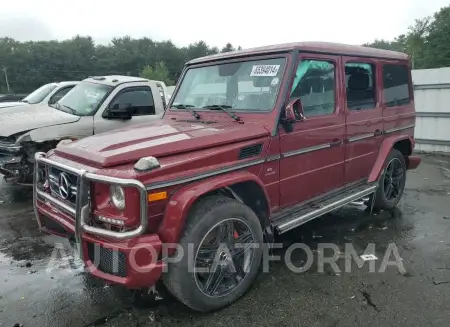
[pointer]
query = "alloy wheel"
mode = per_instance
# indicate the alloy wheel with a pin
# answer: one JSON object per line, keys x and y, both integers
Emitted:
{"x": 224, "y": 257}
{"x": 393, "y": 179}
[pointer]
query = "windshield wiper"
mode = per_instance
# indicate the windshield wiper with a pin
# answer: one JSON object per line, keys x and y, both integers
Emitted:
{"x": 25, "y": 101}
{"x": 224, "y": 109}
{"x": 73, "y": 111}
{"x": 59, "y": 105}
{"x": 188, "y": 108}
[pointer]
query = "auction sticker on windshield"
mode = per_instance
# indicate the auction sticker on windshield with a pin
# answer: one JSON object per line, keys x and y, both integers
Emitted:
{"x": 265, "y": 70}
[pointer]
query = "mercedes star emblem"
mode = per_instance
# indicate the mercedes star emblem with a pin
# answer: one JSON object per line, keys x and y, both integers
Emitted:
{"x": 64, "y": 186}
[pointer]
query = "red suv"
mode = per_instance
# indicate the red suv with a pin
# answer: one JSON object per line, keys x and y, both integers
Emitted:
{"x": 253, "y": 143}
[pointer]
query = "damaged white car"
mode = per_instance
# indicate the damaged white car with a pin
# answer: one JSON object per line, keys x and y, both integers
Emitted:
{"x": 95, "y": 105}
{"x": 47, "y": 94}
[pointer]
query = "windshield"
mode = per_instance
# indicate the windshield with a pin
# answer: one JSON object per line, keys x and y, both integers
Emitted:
{"x": 248, "y": 85}
{"x": 85, "y": 98}
{"x": 38, "y": 95}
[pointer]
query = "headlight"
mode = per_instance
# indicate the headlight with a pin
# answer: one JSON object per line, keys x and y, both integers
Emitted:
{"x": 117, "y": 194}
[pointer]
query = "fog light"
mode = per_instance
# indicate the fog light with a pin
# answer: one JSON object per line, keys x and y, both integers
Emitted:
{"x": 117, "y": 194}
{"x": 111, "y": 220}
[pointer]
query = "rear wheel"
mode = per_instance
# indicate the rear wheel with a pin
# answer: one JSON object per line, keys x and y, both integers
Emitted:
{"x": 391, "y": 183}
{"x": 222, "y": 246}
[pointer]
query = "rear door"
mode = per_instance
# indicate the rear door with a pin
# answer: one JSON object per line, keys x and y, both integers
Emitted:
{"x": 312, "y": 160}
{"x": 363, "y": 106}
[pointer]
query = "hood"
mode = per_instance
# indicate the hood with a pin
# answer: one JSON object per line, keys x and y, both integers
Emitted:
{"x": 158, "y": 139}
{"x": 27, "y": 117}
{"x": 11, "y": 104}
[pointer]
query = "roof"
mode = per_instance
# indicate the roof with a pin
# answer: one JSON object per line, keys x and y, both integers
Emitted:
{"x": 320, "y": 47}
{"x": 114, "y": 80}
{"x": 64, "y": 83}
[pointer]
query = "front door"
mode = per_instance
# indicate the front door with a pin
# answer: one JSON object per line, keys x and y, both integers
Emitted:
{"x": 363, "y": 116}
{"x": 139, "y": 99}
{"x": 312, "y": 161}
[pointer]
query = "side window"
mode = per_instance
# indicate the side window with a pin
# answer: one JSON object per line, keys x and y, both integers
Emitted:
{"x": 138, "y": 99}
{"x": 360, "y": 86}
{"x": 59, "y": 94}
{"x": 314, "y": 84}
{"x": 396, "y": 85}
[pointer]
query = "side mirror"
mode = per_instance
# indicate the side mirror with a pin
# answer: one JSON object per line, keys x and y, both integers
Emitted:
{"x": 292, "y": 113}
{"x": 113, "y": 112}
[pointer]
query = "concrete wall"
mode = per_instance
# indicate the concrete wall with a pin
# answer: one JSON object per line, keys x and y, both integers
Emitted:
{"x": 432, "y": 100}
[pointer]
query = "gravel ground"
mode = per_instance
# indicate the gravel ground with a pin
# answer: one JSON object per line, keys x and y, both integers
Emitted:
{"x": 39, "y": 288}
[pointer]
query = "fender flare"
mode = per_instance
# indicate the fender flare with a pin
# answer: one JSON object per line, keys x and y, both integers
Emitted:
{"x": 385, "y": 148}
{"x": 181, "y": 201}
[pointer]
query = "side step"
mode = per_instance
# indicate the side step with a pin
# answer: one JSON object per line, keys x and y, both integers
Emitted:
{"x": 359, "y": 202}
{"x": 308, "y": 212}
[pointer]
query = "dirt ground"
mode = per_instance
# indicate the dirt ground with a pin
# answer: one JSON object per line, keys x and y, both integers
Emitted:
{"x": 34, "y": 292}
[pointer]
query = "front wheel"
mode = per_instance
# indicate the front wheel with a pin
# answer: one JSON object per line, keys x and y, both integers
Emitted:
{"x": 391, "y": 183}
{"x": 222, "y": 245}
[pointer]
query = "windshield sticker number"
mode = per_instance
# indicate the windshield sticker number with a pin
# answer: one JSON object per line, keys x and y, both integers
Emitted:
{"x": 265, "y": 70}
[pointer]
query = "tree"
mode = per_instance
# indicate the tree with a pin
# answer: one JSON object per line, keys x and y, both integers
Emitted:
{"x": 415, "y": 40}
{"x": 427, "y": 41}
{"x": 158, "y": 73}
{"x": 228, "y": 48}
{"x": 437, "y": 43}
{"x": 386, "y": 45}
{"x": 31, "y": 64}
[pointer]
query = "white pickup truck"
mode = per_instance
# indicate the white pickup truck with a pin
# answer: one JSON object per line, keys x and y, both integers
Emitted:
{"x": 95, "y": 105}
{"x": 47, "y": 94}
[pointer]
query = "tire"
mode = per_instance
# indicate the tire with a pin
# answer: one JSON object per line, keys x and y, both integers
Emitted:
{"x": 383, "y": 200}
{"x": 207, "y": 213}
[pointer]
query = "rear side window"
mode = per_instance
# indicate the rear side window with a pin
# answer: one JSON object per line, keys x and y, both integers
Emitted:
{"x": 360, "y": 86}
{"x": 396, "y": 90}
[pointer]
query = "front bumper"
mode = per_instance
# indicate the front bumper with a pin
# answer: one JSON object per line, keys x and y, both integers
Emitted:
{"x": 128, "y": 258}
{"x": 10, "y": 160}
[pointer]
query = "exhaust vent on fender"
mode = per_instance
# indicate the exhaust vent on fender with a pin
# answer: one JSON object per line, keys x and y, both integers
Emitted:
{"x": 250, "y": 151}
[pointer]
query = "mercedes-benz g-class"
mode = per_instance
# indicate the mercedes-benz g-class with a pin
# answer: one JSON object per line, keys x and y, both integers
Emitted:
{"x": 253, "y": 143}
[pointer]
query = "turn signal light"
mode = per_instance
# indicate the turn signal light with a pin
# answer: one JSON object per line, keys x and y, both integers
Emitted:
{"x": 157, "y": 196}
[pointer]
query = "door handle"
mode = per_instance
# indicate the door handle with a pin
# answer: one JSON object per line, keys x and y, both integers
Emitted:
{"x": 336, "y": 142}
{"x": 378, "y": 132}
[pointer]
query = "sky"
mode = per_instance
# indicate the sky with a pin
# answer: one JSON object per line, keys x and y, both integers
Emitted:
{"x": 246, "y": 23}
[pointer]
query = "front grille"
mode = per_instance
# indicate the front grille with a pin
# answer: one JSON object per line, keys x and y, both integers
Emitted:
{"x": 63, "y": 185}
{"x": 107, "y": 260}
